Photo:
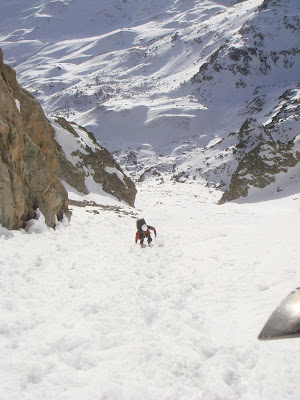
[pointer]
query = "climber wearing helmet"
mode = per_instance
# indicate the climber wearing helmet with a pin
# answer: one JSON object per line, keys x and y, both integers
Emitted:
{"x": 143, "y": 231}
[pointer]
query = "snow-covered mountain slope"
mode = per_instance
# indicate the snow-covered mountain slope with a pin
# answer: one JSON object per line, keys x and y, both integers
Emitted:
{"x": 131, "y": 69}
{"x": 87, "y": 314}
{"x": 85, "y": 167}
{"x": 167, "y": 80}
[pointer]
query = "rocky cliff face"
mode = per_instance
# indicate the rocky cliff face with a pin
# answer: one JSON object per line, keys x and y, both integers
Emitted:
{"x": 28, "y": 158}
{"x": 87, "y": 166}
{"x": 261, "y": 165}
{"x": 37, "y": 155}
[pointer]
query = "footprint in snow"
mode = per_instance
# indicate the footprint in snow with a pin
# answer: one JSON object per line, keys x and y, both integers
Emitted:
{"x": 263, "y": 286}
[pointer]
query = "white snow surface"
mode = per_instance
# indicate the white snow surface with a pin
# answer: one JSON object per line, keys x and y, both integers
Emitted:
{"x": 87, "y": 61}
{"x": 87, "y": 314}
{"x": 134, "y": 60}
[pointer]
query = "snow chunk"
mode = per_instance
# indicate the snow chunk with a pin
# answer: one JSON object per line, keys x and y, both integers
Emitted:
{"x": 18, "y": 104}
{"x": 63, "y": 223}
{"x": 5, "y": 233}
{"x": 37, "y": 225}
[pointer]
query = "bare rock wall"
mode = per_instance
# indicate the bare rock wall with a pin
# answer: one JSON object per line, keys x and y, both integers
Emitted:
{"x": 28, "y": 158}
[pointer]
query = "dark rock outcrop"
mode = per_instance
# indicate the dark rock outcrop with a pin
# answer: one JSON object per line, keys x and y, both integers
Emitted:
{"x": 250, "y": 135}
{"x": 88, "y": 160}
{"x": 259, "y": 167}
{"x": 263, "y": 151}
{"x": 28, "y": 158}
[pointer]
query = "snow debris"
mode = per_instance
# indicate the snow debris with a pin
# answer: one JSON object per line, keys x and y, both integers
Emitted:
{"x": 37, "y": 225}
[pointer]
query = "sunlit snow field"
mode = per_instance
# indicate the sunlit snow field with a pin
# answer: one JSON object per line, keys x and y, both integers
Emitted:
{"x": 86, "y": 314}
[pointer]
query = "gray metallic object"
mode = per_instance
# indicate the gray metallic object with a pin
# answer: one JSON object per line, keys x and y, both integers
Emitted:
{"x": 285, "y": 321}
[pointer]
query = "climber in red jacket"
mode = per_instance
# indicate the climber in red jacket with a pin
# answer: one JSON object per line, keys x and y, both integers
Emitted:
{"x": 144, "y": 232}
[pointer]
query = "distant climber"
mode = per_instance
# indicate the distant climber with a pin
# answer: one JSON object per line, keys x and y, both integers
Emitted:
{"x": 143, "y": 231}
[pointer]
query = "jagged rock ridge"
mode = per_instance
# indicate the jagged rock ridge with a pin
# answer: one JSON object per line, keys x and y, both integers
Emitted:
{"x": 264, "y": 160}
{"x": 81, "y": 158}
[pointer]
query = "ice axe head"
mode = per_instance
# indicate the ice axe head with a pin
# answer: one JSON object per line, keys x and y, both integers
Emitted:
{"x": 284, "y": 322}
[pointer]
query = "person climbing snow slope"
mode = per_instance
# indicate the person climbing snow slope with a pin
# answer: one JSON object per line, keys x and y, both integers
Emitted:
{"x": 143, "y": 231}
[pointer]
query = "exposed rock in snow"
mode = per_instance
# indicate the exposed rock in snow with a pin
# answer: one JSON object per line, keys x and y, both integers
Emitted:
{"x": 87, "y": 166}
{"x": 251, "y": 134}
{"x": 260, "y": 167}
